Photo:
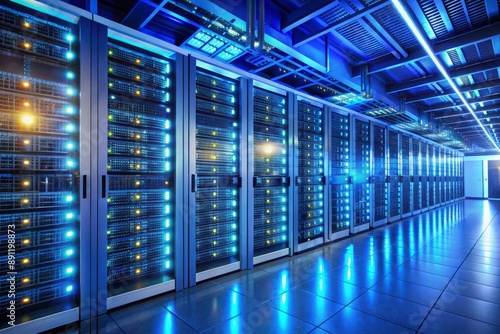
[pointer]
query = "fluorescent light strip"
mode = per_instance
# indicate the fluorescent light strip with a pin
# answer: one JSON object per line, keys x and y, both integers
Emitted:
{"x": 423, "y": 42}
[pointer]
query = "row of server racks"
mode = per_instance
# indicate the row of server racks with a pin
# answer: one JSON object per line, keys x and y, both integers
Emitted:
{"x": 131, "y": 171}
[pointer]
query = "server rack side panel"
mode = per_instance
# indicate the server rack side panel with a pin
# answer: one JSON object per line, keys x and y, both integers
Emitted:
{"x": 39, "y": 167}
{"x": 416, "y": 175}
{"x": 141, "y": 170}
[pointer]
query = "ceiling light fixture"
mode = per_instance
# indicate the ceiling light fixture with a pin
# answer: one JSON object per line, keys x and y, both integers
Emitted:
{"x": 402, "y": 11}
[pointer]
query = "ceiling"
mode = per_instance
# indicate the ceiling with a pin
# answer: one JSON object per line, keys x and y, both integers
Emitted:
{"x": 359, "y": 54}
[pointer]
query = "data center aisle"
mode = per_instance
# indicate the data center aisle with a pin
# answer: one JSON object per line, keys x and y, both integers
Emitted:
{"x": 438, "y": 272}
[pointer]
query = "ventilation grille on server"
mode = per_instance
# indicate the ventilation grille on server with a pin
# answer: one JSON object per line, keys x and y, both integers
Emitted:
{"x": 310, "y": 180}
{"x": 217, "y": 170}
{"x": 270, "y": 181}
{"x": 140, "y": 169}
{"x": 39, "y": 161}
{"x": 363, "y": 170}
{"x": 339, "y": 161}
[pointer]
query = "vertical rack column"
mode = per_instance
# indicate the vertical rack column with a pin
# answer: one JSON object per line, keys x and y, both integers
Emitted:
{"x": 215, "y": 222}
{"x": 424, "y": 176}
{"x": 394, "y": 177}
{"x": 379, "y": 177}
{"x": 140, "y": 174}
{"x": 361, "y": 176}
{"x": 39, "y": 170}
{"x": 406, "y": 187}
{"x": 310, "y": 179}
{"x": 340, "y": 187}
{"x": 271, "y": 180}
{"x": 416, "y": 176}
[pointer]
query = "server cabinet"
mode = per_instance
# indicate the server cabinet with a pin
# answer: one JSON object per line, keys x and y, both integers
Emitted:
{"x": 461, "y": 177}
{"x": 215, "y": 217}
{"x": 140, "y": 174}
{"x": 340, "y": 187}
{"x": 424, "y": 176}
{"x": 432, "y": 176}
{"x": 439, "y": 173}
{"x": 269, "y": 225}
{"x": 395, "y": 180}
{"x": 310, "y": 179}
{"x": 379, "y": 177}
{"x": 39, "y": 170}
{"x": 406, "y": 187}
{"x": 444, "y": 176}
{"x": 361, "y": 176}
{"x": 416, "y": 176}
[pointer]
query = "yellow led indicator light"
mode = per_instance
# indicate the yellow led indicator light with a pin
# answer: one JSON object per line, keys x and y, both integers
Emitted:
{"x": 26, "y": 221}
{"x": 26, "y": 183}
{"x": 27, "y": 24}
{"x": 26, "y": 280}
{"x": 27, "y": 45}
{"x": 138, "y": 257}
{"x": 26, "y": 241}
{"x": 137, "y": 61}
{"x": 26, "y": 300}
{"x": 137, "y": 243}
{"x": 137, "y": 196}
{"x": 25, "y": 84}
{"x": 215, "y": 242}
{"x": 25, "y": 201}
{"x": 214, "y": 254}
{"x": 138, "y": 227}
{"x": 137, "y": 212}
{"x": 138, "y": 136}
{"x": 214, "y": 230}
{"x": 137, "y": 183}
{"x": 138, "y": 271}
{"x": 137, "y": 77}
{"x": 137, "y": 92}
{"x": 137, "y": 121}
{"x": 25, "y": 261}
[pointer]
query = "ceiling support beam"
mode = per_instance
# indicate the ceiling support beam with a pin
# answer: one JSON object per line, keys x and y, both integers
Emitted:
{"x": 301, "y": 38}
{"x": 449, "y": 91}
{"x": 444, "y": 106}
{"x": 142, "y": 12}
{"x": 417, "y": 53}
{"x": 468, "y": 70}
{"x": 306, "y": 13}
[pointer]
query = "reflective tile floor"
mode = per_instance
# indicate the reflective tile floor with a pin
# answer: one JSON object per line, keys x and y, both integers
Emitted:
{"x": 437, "y": 272}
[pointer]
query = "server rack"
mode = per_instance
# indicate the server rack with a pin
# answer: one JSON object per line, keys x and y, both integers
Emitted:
{"x": 424, "y": 176}
{"x": 270, "y": 231}
{"x": 361, "y": 176}
{"x": 395, "y": 178}
{"x": 461, "y": 177}
{"x": 379, "y": 177}
{"x": 432, "y": 176}
{"x": 39, "y": 169}
{"x": 340, "y": 187}
{"x": 310, "y": 179}
{"x": 444, "y": 178}
{"x": 406, "y": 187}
{"x": 439, "y": 180}
{"x": 216, "y": 180}
{"x": 140, "y": 173}
{"x": 416, "y": 178}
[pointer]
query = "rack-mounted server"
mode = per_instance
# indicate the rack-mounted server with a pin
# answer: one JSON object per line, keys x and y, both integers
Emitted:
{"x": 379, "y": 177}
{"x": 394, "y": 177}
{"x": 39, "y": 166}
{"x": 217, "y": 181}
{"x": 362, "y": 191}
{"x": 424, "y": 176}
{"x": 271, "y": 177}
{"x": 416, "y": 178}
{"x": 140, "y": 162}
{"x": 339, "y": 169}
{"x": 432, "y": 176}
{"x": 310, "y": 179}
{"x": 406, "y": 187}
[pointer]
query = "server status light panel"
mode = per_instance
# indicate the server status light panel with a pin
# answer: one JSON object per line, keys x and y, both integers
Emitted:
{"x": 217, "y": 179}
{"x": 310, "y": 179}
{"x": 140, "y": 169}
{"x": 39, "y": 165}
{"x": 271, "y": 180}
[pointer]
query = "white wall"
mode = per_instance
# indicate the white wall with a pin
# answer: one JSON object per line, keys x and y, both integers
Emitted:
{"x": 473, "y": 179}
{"x": 476, "y": 175}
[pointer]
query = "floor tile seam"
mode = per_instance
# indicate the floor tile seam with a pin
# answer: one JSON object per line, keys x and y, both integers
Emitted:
{"x": 403, "y": 298}
{"x": 467, "y": 296}
{"x": 464, "y": 316}
{"x": 436, "y": 263}
{"x": 428, "y": 272}
{"x": 454, "y": 274}
{"x": 372, "y": 315}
